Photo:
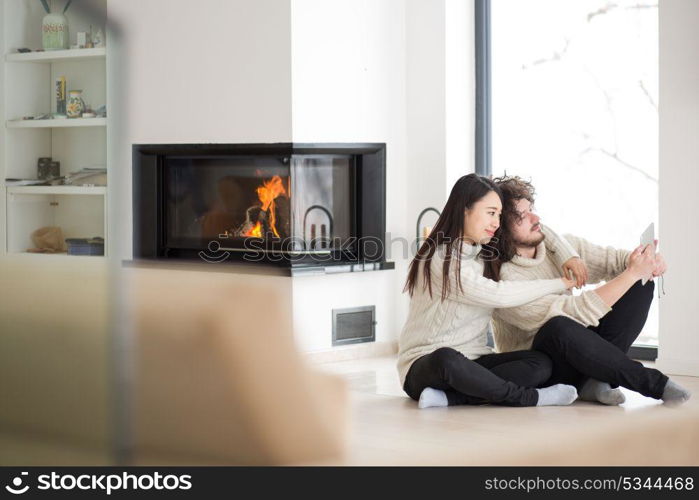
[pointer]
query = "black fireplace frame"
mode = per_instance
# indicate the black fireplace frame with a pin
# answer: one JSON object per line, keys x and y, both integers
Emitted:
{"x": 369, "y": 186}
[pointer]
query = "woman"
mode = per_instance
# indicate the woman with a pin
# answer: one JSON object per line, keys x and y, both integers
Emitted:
{"x": 443, "y": 355}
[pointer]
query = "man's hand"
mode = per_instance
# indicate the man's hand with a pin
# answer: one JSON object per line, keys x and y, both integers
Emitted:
{"x": 641, "y": 262}
{"x": 577, "y": 267}
{"x": 660, "y": 265}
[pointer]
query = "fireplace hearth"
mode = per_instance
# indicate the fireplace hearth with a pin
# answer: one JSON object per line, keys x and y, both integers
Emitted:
{"x": 287, "y": 205}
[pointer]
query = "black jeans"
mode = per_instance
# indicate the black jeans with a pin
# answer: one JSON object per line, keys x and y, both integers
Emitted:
{"x": 599, "y": 352}
{"x": 506, "y": 379}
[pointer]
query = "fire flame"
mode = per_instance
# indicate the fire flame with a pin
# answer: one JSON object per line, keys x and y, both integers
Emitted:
{"x": 255, "y": 232}
{"x": 267, "y": 193}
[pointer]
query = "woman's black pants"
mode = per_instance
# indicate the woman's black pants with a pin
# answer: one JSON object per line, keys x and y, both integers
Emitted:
{"x": 506, "y": 379}
{"x": 600, "y": 352}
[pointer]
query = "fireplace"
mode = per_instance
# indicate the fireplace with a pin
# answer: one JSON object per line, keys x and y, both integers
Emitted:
{"x": 288, "y": 205}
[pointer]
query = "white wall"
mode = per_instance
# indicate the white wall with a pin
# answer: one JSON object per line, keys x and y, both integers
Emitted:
{"x": 426, "y": 105}
{"x": 348, "y": 85}
{"x": 460, "y": 62}
{"x": 679, "y": 181}
{"x": 214, "y": 71}
{"x": 440, "y": 75}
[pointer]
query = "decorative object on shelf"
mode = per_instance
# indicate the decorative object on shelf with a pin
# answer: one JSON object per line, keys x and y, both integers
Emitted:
{"x": 87, "y": 111}
{"x": 54, "y": 28}
{"x": 54, "y": 169}
{"x": 61, "y": 96}
{"x": 75, "y": 106}
{"x": 88, "y": 41}
{"x": 42, "y": 168}
{"x": 85, "y": 246}
{"x": 48, "y": 169}
{"x": 83, "y": 39}
{"x": 48, "y": 239}
{"x": 98, "y": 38}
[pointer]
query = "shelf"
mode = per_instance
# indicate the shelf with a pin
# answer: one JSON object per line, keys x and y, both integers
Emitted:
{"x": 62, "y": 255}
{"x": 72, "y": 190}
{"x": 51, "y": 56}
{"x": 58, "y": 123}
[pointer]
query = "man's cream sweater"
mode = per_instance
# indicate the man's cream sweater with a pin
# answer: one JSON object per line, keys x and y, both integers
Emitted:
{"x": 515, "y": 327}
{"x": 461, "y": 320}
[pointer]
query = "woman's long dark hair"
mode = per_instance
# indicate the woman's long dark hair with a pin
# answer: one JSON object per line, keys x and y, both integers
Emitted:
{"x": 449, "y": 231}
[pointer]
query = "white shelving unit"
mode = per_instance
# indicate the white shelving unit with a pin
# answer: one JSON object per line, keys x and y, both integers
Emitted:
{"x": 28, "y": 90}
{"x": 61, "y": 123}
{"x": 61, "y": 190}
{"x": 57, "y": 55}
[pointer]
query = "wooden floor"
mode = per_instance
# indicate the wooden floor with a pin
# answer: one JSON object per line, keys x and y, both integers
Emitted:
{"x": 387, "y": 428}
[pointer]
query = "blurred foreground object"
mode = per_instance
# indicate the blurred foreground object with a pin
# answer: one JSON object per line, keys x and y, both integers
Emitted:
{"x": 213, "y": 374}
{"x": 219, "y": 380}
{"x": 54, "y": 361}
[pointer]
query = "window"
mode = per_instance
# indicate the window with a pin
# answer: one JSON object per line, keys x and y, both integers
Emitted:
{"x": 569, "y": 93}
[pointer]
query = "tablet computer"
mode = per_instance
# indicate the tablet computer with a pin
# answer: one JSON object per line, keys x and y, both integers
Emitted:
{"x": 648, "y": 238}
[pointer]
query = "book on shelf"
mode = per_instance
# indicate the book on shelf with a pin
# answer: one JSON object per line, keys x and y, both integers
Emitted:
{"x": 94, "y": 176}
{"x": 26, "y": 182}
{"x": 83, "y": 177}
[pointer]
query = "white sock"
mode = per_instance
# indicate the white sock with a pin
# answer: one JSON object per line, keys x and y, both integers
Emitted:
{"x": 557, "y": 395}
{"x": 601, "y": 392}
{"x": 432, "y": 397}
{"x": 675, "y": 393}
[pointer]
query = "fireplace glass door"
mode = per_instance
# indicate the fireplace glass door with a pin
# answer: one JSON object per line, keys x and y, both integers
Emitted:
{"x": 323, "y": 203}
{"x": 228, "y": 198}
{"x": 300, "y": 204}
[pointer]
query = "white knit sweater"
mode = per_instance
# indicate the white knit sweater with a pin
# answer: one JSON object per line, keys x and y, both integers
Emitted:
{"x": 515, "y": 328}
{"x": 461, "y": 320}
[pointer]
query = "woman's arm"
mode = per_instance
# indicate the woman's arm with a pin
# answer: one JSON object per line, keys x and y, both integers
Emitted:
{"x": 603, "y": 263}
{"x": 587, "y": 309}
{"x": 560, "y": 248}
{"x": 478, "y": 290}
{"x": 565, "y": 256}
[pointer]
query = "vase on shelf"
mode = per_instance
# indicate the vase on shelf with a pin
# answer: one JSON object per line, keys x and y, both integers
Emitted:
{"x": 75, "y": 105}
{"x": 54, "y": 29}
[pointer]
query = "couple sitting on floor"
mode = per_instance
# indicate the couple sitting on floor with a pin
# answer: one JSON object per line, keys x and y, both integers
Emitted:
{"x": 488, "y": 257}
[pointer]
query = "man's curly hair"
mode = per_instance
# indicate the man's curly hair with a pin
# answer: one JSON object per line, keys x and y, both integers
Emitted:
{"x": 513, "y": 189}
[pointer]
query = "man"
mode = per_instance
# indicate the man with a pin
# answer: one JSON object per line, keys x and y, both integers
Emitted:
{"x": 587, "y": 339}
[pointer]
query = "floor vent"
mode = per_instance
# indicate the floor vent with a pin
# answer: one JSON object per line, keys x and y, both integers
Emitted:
{"x": 354, "y": 325}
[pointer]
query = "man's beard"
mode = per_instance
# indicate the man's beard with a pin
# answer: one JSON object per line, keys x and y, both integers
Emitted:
{"x": 531, "y": 243}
